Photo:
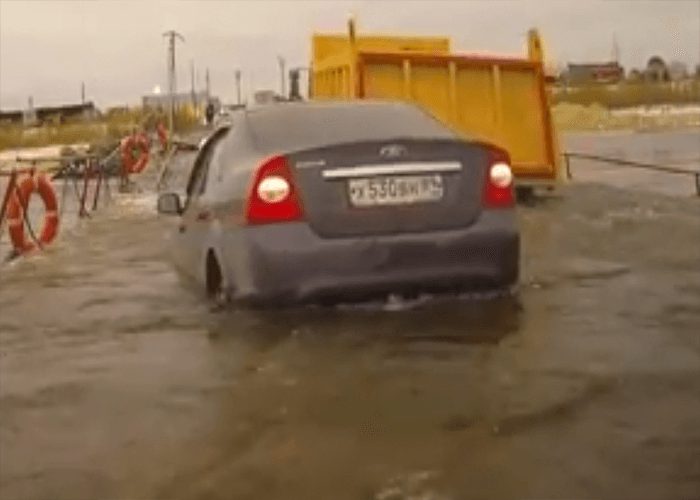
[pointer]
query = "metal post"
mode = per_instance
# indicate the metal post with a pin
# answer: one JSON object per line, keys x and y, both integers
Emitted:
{"x": 534, "y": 46}
{"x": 281, "y": 62}
{"x": 193, "y": 95}
{"x": 6, "y": 198}
{"x": 83, "y": 196}
{"x": 25, "y": 209}
{"x": 238, "y": 86}
{"x": 356, "y": 85}
{"x": 100, "y": 177}
{"x": 207, "y": 84}
{"x": 172, "y": 36}
{"x": 568, "y": 166}
{"x": 294, "y": 91}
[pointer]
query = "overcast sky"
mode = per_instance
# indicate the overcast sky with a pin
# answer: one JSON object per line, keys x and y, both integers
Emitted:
{"x": 48, "y": 47}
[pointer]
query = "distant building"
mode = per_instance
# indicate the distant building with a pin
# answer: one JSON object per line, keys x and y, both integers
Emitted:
{"x": 608, "y": 72}
{"x": 85, "y": 111}
{"x": 116, "y": 111}
{"x": 677, "y": 71}
{"x": 46, "y": 114}
{"x": 11, "y": 117}
{"x": 162, "y": 101}
{"x": 635, "y": 75}
{"x": 265, "y": 97}
{"x": 656, "y": 70}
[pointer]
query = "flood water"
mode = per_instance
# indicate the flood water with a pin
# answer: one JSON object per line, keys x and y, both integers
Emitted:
{"x": 678, "y": 149}
{"x": 118, "y": 382}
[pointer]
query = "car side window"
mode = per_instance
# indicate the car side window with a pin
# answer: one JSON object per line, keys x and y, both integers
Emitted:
{"x": 198, "y": 178}
{"x": 216, "y": 171}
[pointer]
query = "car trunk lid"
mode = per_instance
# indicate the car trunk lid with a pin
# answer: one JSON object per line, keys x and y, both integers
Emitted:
{"x": 402, "y": 186}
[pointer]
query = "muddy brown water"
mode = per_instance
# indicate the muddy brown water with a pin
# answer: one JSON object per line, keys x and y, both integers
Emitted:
{"x": 118, "y": 382}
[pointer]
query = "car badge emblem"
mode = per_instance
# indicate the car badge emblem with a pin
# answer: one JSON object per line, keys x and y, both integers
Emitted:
{"x": 311, "y": 163}
{"x": 393, "y": 151}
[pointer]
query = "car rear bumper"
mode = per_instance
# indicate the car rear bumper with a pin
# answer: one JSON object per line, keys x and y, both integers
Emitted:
{"x": 289, "y": 263}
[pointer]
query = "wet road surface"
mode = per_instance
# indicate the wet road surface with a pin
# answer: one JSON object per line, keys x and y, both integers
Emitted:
{"x": 117, "y": 382}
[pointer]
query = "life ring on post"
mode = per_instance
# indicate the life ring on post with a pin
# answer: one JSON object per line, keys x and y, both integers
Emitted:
{"x": 17, "y": 207}
{"x": 162, "y": 135}
{"x": 133, "y": 162}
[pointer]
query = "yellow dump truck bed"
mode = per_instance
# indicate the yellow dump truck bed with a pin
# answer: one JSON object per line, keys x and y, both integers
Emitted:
{"x": 497, "y": 99}
{"x": 323, "y": 46}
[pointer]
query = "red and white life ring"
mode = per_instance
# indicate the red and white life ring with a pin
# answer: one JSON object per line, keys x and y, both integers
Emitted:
{"x": 132, "y": 162}
{"x": 17, "y": 207}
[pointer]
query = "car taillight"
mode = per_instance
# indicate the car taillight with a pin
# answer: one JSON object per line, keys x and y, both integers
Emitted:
{"x": 499, "y": 181}
{"x": 273, "y": 189}
{"x": 273, "y": 195}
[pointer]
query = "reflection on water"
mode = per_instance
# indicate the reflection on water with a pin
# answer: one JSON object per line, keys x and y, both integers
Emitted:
{"x": 117, "y": 382}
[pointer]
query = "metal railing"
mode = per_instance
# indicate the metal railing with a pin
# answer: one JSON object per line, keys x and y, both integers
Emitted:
{"x": 78, "y": 170}
{"x": 695, "y": 174}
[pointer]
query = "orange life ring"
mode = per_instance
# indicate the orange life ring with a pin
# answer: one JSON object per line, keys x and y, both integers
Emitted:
{"x": 131, "y": 162}
{"x": 18, "y": 205}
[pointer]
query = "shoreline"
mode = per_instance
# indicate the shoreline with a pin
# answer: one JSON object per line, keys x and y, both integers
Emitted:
{"x": 626, "y": 131}
{"x": 569, "y": 117}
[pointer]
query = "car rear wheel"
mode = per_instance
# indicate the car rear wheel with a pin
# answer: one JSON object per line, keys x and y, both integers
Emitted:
{"x": 214, "y": 281}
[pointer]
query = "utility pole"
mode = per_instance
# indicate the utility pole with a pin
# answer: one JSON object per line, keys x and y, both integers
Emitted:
{"x": 281, "y": 62}
{"x": 82, "y": 92}
{"x": 193, "y": 94}
{"x": 207, "y": 83}
{"x": 172, "y": 36}
{"x": 238, "y": 86}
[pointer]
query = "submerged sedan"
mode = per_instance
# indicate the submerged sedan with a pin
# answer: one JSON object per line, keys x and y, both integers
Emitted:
{"x": 337, "y": 201}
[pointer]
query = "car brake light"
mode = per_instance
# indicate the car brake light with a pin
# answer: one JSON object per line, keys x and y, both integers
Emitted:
{"x": 273, "y": 189}
{"x": 499, "y": 181}
{"x": 273, "y": 197}
{"x": 500, "y": 175}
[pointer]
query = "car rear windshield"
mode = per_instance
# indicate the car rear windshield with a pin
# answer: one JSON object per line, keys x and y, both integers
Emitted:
{"x": 293, "y": 127}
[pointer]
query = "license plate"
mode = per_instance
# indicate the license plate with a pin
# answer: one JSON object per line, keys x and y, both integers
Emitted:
{"x": 395, "y": 190}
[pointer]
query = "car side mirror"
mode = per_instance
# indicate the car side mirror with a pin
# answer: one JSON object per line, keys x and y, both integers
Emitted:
{"x": 169, "y": 204}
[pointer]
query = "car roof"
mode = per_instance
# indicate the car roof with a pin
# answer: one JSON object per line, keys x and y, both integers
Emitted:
{"x": 337, "y": 108}
{"x": 288, "y": 127}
